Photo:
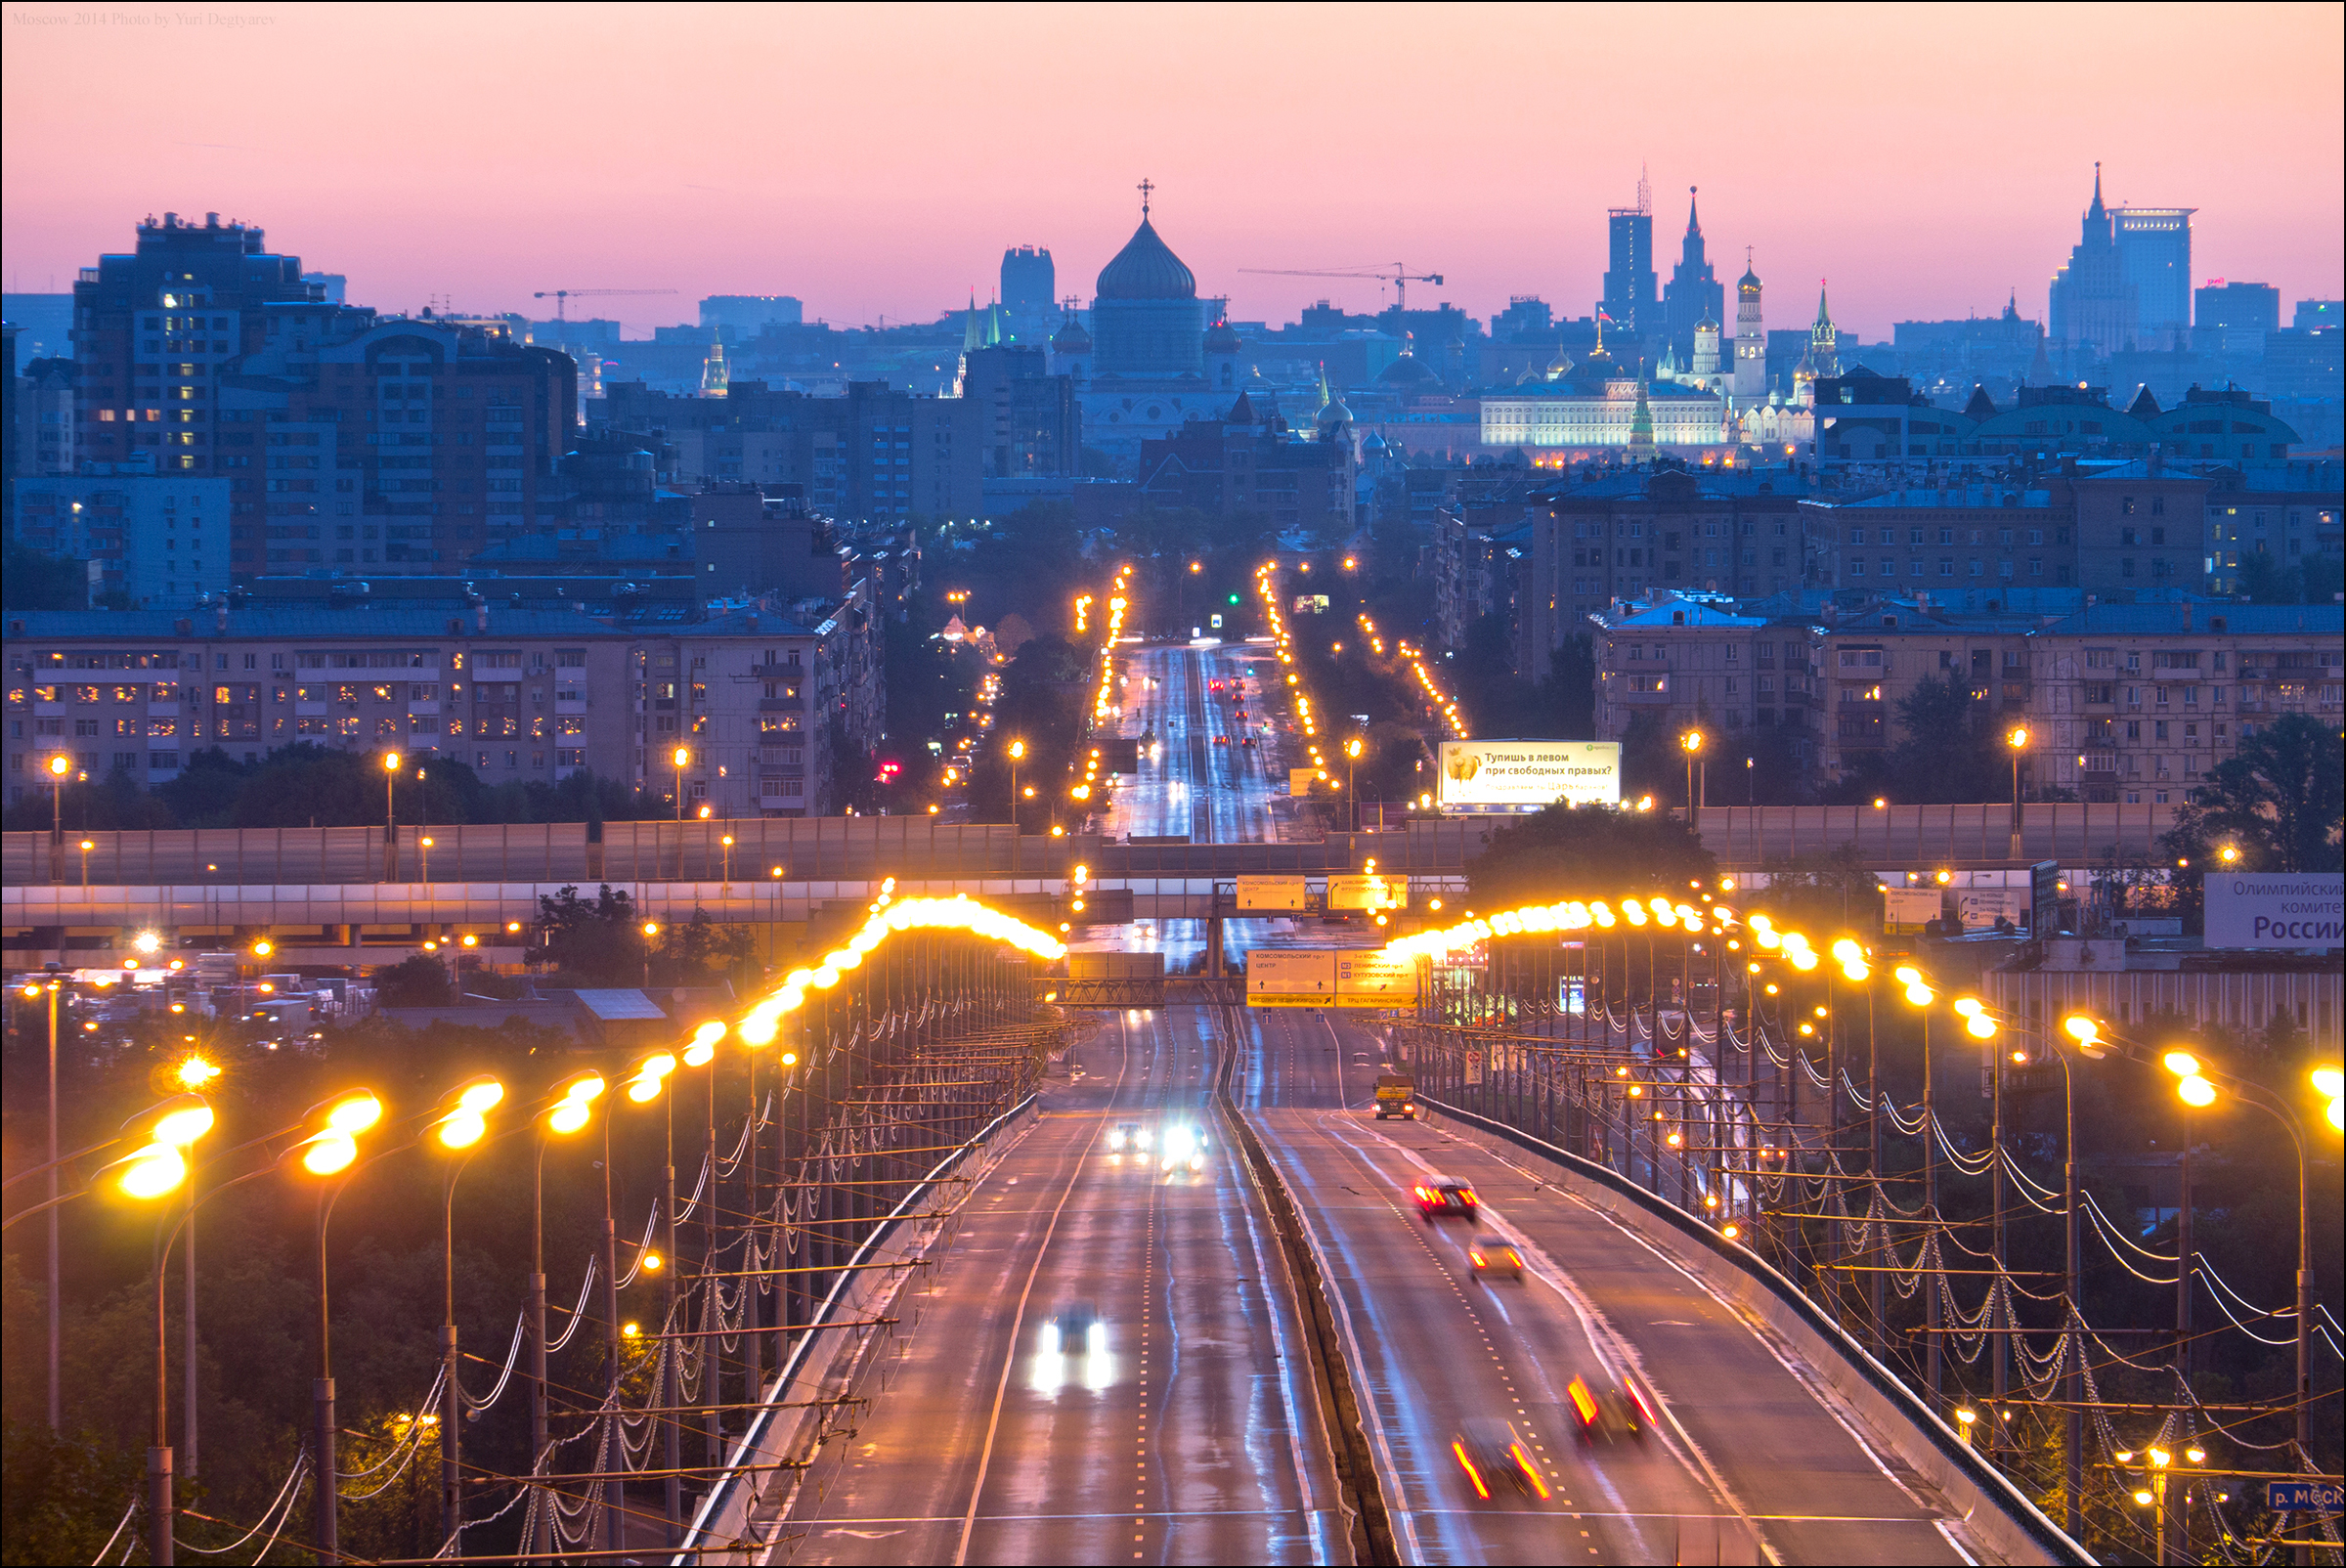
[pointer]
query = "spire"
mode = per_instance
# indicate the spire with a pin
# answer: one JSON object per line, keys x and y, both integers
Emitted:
{"x": 2097, "y": 212}
{"x": 1694, "y": 221}
{"x": 1824, "y": 317}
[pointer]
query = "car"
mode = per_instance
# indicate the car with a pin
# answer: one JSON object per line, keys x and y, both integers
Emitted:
{"x": 1247, "y": 742}
{"x": 1221, "y": 740}
{"x": 1443, "y": 1198}
{"x": 1611, "y": 1410}
{"x": 1127, "y": 1135}
{"x": 1239, "y": 716}
{"x": 1213, "y": 685}
{"x": 1184, "y": 1148}
{"x": 1494, "y": 1452}
{"x": 1493, "y": 1257}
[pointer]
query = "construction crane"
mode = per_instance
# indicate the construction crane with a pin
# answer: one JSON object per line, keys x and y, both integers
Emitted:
{"x": 561, "y": 296}
{"x": 1396, "y": 272}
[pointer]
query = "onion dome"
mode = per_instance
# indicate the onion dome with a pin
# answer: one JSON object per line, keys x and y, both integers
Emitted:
{"x": 1222, "y": 338}
{"x": 1147, "y": 269}
{"x": 1072, "y": 338}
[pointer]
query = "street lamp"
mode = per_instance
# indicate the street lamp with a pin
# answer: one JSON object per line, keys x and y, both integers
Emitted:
{"x": 1018, "y": 749}
{"x": 459, "y": 1128}
{"x": 391, "y": 765}
{"x": 1352, "y": 755}
{"x": 680, "y": 756}
{"x": 329, "y": 1153}
{"x": 1692, "y": 743}
{"x": 569, "y": 1109}
{"x": 2018, "y": 739}
{"x": 60, "y": 767}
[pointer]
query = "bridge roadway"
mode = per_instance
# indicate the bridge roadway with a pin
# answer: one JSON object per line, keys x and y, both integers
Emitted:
{"x": 1183, "y": 1431}
{"x": 1190, "y": 1432}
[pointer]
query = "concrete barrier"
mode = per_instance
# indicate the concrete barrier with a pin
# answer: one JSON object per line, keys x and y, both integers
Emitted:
{"x": 1997, "y": 1516}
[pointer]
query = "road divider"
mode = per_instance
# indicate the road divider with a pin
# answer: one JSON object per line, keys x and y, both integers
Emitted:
{"x": 1351, "y": 1448}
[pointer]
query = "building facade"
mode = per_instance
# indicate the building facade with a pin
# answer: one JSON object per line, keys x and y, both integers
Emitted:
{"x": 762, "y": 703}
{"x": 159, "y": 540}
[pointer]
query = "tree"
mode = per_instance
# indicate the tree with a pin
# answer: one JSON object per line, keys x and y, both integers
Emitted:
{"x": 2278, "y": 799}
{"x": 701, "y": 952}
{"x": 1587, "y": 853}
{"x": 1819, "y": 891}
{"x": 1949, "y": 753}
{"x": 417, "y": 982}
{"x": 600, "y": 941}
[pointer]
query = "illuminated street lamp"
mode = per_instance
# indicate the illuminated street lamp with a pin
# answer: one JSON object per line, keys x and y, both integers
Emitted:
{"x": 1692, "y": 744}
{"x": 2018, "y": 739}
{"x": 680, "y": 756}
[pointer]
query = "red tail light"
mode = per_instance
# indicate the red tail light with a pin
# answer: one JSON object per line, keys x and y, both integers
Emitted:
{"x": 1472, "y": 1475}
{"x": 1528, "y": 1473}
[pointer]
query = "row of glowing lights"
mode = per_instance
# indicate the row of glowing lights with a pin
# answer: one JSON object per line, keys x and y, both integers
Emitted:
{"x": 1448, "y": 709}
{"x": 1104, "y": 699}
{"x": 989, "y": 691}
{"x": 165, "y": 1133}
{"x": 1266, "y": 585}
{"x": 2192, "y": 1085}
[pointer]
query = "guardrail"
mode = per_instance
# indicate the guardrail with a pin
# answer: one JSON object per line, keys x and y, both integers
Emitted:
{"x": 1941, "y": 1454}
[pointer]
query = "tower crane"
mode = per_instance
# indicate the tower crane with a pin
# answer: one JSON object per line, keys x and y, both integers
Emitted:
{"x": 562, "y": 296}
{"x": 1396, "y": 272}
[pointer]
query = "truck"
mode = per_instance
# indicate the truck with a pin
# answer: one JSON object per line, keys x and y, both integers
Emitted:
{"x": 1396, "y": 1096}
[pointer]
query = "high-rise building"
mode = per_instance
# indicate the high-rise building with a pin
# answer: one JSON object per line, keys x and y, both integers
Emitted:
{"x": 154, "y": 330}
{"x": 1750, "y": 383}
{"x": 2154, "y": 260}
{"x": 1629, "y": 265}
{"x": 2093, "y": 311}
{"x": 1029, "y": 283}
{"x": 1694, "y": 294}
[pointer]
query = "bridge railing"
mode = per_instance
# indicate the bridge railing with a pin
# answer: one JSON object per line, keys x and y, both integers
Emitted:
{"x": 2072, "y": 831}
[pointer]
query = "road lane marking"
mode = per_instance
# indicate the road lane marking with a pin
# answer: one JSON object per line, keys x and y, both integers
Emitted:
{"x": 1010, "y": 1358}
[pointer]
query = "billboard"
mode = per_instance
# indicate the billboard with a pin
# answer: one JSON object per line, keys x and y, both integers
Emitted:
{"x": 1979, "y": 908}
{"x": 1371, "y": 978}
{"x": 1525, "y": 775}
{"x": 1272, "y": 892}
{"x": 1354, "y": 890}
{"x": 2276, "y": 909}
{"x": 1300, "y": 779}
{"x": 1290, "y": 978}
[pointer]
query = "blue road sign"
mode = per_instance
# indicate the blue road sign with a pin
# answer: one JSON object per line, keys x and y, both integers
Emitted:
{"x": 2304, "y": 1497}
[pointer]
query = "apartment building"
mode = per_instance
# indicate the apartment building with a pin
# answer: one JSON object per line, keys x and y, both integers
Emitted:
{"x": 758, "y": 701}
{"x": 1702, "y": 664}
{"x": 2139, "y": 702}
{"x": 1593, "y": 544}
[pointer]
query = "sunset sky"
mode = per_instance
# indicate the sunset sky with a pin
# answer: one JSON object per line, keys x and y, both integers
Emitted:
{"x": 875, "y": 162}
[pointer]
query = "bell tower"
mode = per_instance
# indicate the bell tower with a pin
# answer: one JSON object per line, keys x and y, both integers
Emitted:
{"x": 1750, "y": 383}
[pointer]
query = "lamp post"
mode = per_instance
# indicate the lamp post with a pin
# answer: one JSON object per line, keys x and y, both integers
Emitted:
{"x": 573, "y": 1106}
{"x": 391, "y": 763}
{"x": 2018, "y": 739}
{"x": 680, "y": 756}
{"x": 86, "y": 847}
{"x": 57, "y": 1403}
{"x": 329, "y": 1153}
{"x": 1351, "y": 807}
{"x": 700, "y": 1053}
{"x": 459, "y": 1129}
{"x": 424, "y": 844}
{"x": 1018, "y": 749}
{"x": 1692, "y": 744}
{"x": 642, "y": 1087}
{"x": 60, "y": 767}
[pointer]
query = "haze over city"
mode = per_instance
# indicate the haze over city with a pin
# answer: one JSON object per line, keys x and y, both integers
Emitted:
{"x": 1342, "y": 785}
{"x": 874, "y": 160}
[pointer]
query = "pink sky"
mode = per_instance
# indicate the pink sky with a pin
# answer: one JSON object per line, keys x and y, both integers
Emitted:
{"x": 877, "y": 161}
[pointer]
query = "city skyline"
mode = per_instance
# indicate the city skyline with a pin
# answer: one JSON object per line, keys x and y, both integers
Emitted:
{"x": 925, "y": 164}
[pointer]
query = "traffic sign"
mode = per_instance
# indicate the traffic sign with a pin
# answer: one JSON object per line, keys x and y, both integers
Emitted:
{"x": 2304, "y": 1497}
{"x": 1272, "y": 892}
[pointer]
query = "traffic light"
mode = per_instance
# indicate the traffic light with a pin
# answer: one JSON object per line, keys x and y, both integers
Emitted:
{"x": 1233, "y": 598}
